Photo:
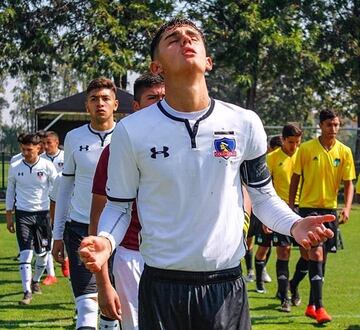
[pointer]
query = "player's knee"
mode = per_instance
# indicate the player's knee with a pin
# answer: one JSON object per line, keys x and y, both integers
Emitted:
{"x": 25, "y": 256}
{"x": 41, "y": 259}
{"x": 87, "y": 309}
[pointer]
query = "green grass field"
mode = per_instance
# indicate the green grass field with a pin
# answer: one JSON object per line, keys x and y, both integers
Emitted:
{"x": 54, "y": 309}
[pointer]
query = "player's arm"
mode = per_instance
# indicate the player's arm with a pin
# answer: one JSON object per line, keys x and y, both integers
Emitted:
{"x": 10, "y": 201}
{"x": 65, "y": 190}
{"x": 108, "y": 298}
{"x": 348, "y": 197}
{"x": 294, "y": 184}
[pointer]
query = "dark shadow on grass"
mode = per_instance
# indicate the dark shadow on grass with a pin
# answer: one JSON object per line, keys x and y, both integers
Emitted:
{"x": 4, "y": 282}
{"x": 31, "y": 324}
{"x": 18, "y": 293}
{"x": 353, "y": 327}
{"x": 38, "y": 307}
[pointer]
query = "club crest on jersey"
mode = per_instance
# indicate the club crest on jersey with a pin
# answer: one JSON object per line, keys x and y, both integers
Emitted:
{"x": 40, "y": 174}
{"x": 337, "y": 162}
{"x": 61, "y": 164}
{"x": 225, "y": 148}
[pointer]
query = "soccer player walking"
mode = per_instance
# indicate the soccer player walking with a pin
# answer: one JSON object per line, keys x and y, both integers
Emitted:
{"x": 82, "y": 149}
{"x": 29, "y": 182}
{"x": 322, "y": 164}
{"x": 180, "y": 159}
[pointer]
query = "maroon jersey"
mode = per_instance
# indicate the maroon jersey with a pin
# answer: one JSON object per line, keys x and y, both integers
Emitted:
{"x": 131, "y": 239}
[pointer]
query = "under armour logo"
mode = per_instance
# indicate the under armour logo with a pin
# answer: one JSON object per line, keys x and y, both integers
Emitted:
{"x": 84, "y": 148}
{"x": 163, "y": 152}
{"x": 20, "y": 173}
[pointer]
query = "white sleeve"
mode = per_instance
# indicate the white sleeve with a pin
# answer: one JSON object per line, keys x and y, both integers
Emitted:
{"x": 271, "y": 209}
{"x": 10, "y": 190}
{"x": 52, "y": 175}
{"x": 55, "y": 188}
{"x": 66, "y": 187}
{"x": 69, "y": 162}
{"x": 123, "y": 173}
{"x": 114, "y": 222}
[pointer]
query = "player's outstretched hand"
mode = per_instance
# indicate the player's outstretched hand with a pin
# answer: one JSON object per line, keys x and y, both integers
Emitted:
{"x": 94, "y": 252}
{"x": 310, "y": 231}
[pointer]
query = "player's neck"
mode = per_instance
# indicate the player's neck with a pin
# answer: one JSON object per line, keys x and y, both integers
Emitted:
{"x": 327, "y": 143}
{"x": 31, "y": 161}
{"x": 53, "y": 153}
{"x": 102, "y": 126}
{"x": 187, "y": 96}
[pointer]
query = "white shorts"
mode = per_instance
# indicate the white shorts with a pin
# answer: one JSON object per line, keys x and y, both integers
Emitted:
{"x": 127, "y": 268}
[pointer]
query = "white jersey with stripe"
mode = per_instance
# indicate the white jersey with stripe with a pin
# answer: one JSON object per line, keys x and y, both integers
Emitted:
{"x": 57, "y": 159}
{"x": 29, "y": 185}
{"x": 186, "y": 179}
{"x": 82, "y": 149}
{"x": 16, "y": 157}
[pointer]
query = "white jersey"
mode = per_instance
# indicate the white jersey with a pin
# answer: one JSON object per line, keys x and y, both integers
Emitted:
{"x": 55, "y": 188}
{"x": 29, "y": 185}
{"x": 82, "y": 148}
{"x": 186, "y": 181}
{"x": 16, "y": 157}
{"x": 57, "y": 160}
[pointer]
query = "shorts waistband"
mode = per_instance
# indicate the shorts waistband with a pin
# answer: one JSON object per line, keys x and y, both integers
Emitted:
{"x": 193, "y": 277}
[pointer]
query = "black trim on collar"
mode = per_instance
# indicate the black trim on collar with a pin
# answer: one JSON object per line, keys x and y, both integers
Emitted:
{"x": 192, "y": 131}
{"x": 64, "y": 174}
{"x": 31, "y": 166}
{"x": 53, "y": 157}
{"x": 99, "y": 135}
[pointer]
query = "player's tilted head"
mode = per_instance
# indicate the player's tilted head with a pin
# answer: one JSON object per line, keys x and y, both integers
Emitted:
{"x": 101, "y": 83}
{"x": 172, "y": 24}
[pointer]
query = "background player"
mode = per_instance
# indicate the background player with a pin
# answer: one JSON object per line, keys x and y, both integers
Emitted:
{"x": 82, "y": 149}
{"x": 322, "y": 164}
{"x": 29, "y": 182}
{"x": 127, "y": 260}
{"x": 280, "y": 163}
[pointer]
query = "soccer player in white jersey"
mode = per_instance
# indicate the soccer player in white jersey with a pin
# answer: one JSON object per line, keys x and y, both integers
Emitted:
{"x": 82, "y": 149}
{"x": 56, "y": 156}
{"x": 180, "y": 159}
{"x": 52, "y": 151}
{"x": 29, "y": 182}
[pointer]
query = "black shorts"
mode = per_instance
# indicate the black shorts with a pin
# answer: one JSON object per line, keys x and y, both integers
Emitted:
{"x": 183, "y": 300}
{"x": 273, "y": 239}
{"x": 255, "y": 226}
{"x": 83, "y": 282}
{"x": 33, "y": 231}
{"x": 331, "y": 243}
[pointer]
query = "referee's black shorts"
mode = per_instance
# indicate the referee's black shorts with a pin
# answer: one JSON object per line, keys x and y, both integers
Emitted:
{"x": 183, "y": 300}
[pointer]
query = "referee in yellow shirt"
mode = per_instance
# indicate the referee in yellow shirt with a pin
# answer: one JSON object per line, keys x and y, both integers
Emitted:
{"x": 322, "y": 163}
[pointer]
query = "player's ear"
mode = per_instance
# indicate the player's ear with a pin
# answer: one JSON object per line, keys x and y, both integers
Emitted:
{"x": 156, "y": 67}
{"x": 136, "y": 106}
{"x": 116, "y": 105}
{"x": 209, "y": 63}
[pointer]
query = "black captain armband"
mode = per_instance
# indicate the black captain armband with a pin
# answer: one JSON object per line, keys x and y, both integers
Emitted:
{"x": 255, "y": 173}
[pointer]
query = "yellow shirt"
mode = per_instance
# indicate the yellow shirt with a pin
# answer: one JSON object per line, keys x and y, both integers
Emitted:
{"x": 281, "y": 167}
{"x": 357, "y": 187}
{"x": 322, "y": 172}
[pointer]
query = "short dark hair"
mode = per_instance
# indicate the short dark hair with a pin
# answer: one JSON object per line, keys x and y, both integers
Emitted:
{"x": 52, "y": 134}
{"x": 101, "y": 82}
{"x": 327, "y": 114}
{"x": 31, "y": 139}
{"x": 20, "y": 137}
{"x": 173, "y": 23}
{"x": 291, "y": 130}
{"x": 146, "y": 80}
{"x": 275, "y": 142}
